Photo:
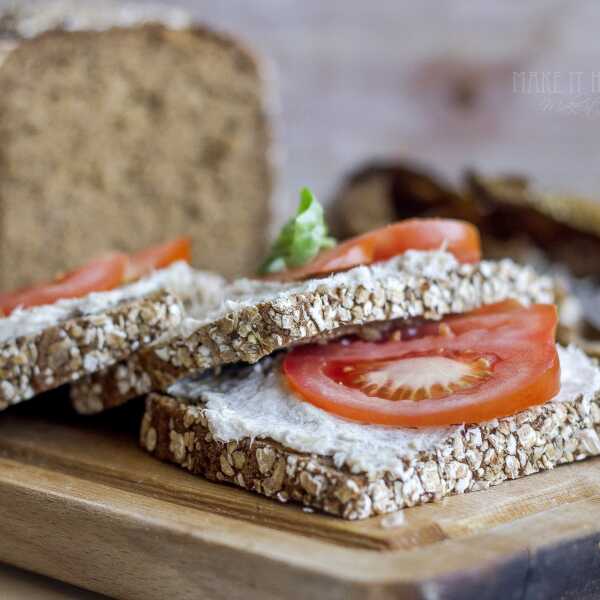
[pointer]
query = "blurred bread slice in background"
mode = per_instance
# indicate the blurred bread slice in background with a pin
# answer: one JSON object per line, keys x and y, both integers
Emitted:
{"x": 121, "y": 137}
{"x": 516, "y": 217}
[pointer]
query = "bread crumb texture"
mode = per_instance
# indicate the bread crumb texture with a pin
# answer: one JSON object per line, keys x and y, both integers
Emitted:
{"x": 123, "y": 138}
{"x": 81, "y": 345}
{"x": 474, "y": 458}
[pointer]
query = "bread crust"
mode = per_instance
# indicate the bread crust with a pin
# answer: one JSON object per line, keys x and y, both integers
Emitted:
{"x": 474, "y": 458}
{"x": 80, "y": 345}
{"x": 312, "y": 312}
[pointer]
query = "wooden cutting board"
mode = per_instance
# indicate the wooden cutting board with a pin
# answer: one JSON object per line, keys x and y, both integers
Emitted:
{"x": 81, "y": 502}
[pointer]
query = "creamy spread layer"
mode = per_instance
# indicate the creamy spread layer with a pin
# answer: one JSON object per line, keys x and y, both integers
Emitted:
{"x": 179, "y": 278}
{"x": 256, "y": 402}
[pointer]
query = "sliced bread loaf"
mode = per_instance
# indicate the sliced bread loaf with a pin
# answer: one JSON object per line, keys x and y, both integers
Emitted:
{"x": 120, "y": 138}
{"x": 256, "y": 318}
{"x": 236, "y": 429}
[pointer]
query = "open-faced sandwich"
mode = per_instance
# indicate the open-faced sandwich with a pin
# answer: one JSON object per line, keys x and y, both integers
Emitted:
{"x": 390, "y": 370}
{"x": 88, "y": 319}
{"x": 357, "y": 378}
{"x": 416, "y": 268}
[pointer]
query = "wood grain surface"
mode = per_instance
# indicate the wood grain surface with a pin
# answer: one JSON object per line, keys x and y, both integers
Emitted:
{"x": 83, "y": 504}
{"x": 17, "y": 584}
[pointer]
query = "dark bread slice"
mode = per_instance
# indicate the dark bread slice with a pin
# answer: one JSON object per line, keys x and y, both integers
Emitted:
{"x": 564, "y": 228}
{"x": 126, "y": 137}
{"x": 469, "y": 458}
{"x": 427, "y": 285}
{"x": 82, "y": 344}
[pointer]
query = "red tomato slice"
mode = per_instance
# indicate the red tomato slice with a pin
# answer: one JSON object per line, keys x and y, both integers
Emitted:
{"x": 157, "y": 257}
{"x": 488, "y": 317}
{"x": 342, "y": 257}
{"x": 97, "y": 276}
{"x": 487, "y": 369}
{"x": 460, "y": 238}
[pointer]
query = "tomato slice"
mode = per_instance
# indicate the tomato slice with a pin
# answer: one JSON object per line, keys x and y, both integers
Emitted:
{"x": 459, "y": 237}
{"x": 157, "y": 257}
{"x": 97, "y": 276}
{"x": 487, "y": 317}
{"x": 489, "y": 367}
{"x": 342, "y": 257}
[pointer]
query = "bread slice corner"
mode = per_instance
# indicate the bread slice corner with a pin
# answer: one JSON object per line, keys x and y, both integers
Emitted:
{"x": 46, "y": 346}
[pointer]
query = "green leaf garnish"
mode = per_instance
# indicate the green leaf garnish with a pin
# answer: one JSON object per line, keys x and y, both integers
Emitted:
{"x": 301, "y": 238}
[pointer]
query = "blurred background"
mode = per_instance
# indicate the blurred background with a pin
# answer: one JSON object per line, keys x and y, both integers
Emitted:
{"x": 431, "y": 81}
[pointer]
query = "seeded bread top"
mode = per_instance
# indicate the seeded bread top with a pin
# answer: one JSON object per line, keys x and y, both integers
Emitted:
{"x": 43, "y": 347}
{"x": 255, "y": 319}
{"x": 191, "y": 286}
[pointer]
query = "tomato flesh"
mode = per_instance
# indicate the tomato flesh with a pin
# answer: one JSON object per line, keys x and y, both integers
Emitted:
{"x": 157, "y": 257}
{"x": 97, "y": 276}
{"x": 458, "y": 237}
{"x": 493, "y": 365}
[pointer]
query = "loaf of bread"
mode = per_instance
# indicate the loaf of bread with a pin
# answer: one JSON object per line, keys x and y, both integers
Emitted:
{"x": 121, "y": 137}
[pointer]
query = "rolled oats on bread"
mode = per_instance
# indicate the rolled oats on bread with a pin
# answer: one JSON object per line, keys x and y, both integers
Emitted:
{"x": 271, "y": 316}
{"x": 203, "y": 438}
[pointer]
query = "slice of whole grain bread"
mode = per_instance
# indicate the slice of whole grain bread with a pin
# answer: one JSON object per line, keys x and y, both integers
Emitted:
{"x": 124, "y": 137}
{"x": 44, "y": 347}
{"x": 258, "y": 318}
{"x": 466, "y": 458}
{"x": 61, "y": 353}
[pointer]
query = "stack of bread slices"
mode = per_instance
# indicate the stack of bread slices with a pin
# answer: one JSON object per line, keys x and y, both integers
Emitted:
{"x": 170, "y": 137}
{"x": 208, "y": 354}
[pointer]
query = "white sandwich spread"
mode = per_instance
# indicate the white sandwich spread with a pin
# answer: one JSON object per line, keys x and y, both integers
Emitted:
{"x": 178, "y": 278}
{"x": 256, "y": 402}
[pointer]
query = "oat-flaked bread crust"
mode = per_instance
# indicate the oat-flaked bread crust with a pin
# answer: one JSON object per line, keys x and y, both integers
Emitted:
{"x": 472, "y": 459}
{"x": 327, "y": 308}
{"x": 62, "y": 353}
